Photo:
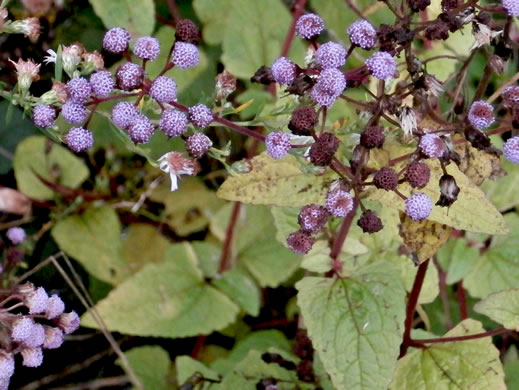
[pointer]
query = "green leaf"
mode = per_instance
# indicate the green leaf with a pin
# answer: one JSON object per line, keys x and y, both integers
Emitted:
{"x": 143, "y": 244}
{"x": 502, "y": 307}
{"x": 259, "y": 341}
{"x": 170, "y": 299}
{"x": 53, "y": 162}
{"x": 254, "y": 35}
{"x": 356, "y": 324}
{"x": 94, "y": 239}
{"x": 472, "y": 364}
{"x": 275, "y": 183}
{"x": 240, "y": 287}
{"x": 138, "y": 20}
{"x": 457, "y": 259}
{"x": 213, "y": 14}
{"x": 498, "y": 268}
{"x": 151, "y": 364}
{"x": 9, "y": 138}
{"x": 502, "y": 191}
{"x": 512, "y": 374}
{"x": 188, "y": 367}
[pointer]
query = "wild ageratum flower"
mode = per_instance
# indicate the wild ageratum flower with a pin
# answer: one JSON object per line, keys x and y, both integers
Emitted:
{"x": 511, "y": 96}
{"x": 32, "y": 357}
{"x": 511, "y": 150}
{"x": 79, "y": 139}
{"x": 185, "y": 55}
{"x": 418, "y": 206}
{"x": 43, "y": 115}
{"x": 16, "y": 235}
{"x": 147, "y": 48}
{"x": 173, "y": 122}
{"x": 331, "y": 55}
{"x": 22, "y": 328}
{"x": 141, "y": 130}
{"x": 55, "y": 307}
{"x": 329, "y": 87}
{"x": 54, "y": 337}
{"x": 511, "y": 7}
{"x": 339, "y": 203}
{"x": 362, "y": 34}
{"x": 381, "y": 65}
{"x": 198, "y": 144}
{"x": 300, "y": 242}
{"x": 78, "y": 90}
{"x": 124, "y": 114}
{"x": 432, "y": 145}
{"x": 6, "y": 364}
{"x": 200, "y": 115}
{"x": 116, "y": 40}
{"x": 129, "y": 76}
{"x": 312, "y": 218}
{"x": 176, "y": 165}
{"x": 278, "y": 144}
{"x": 102, "y": 83}
{"x": 163, "y": 89}
{"x": 74, "y": 113}
{"x": 481, "y": 115}
{"x": 37, "y": 301}
{"x": 36, "y": 338}
{"x": 284, "y": 71}
{"x": 68, "y": 322}
{"x": 309, "y": 26}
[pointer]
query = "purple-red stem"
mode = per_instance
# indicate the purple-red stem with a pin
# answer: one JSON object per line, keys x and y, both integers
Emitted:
{"x": 229, "y": 234}
{"x": 462, "y": 301}
{"x": 442, "y": 285}
{"x": 343, "y": 233}
{"x": 298, "y": 11}
{"x": 174, "y": 11}
{"x": 495, "y": 332}
{"x": 411, "y": 306}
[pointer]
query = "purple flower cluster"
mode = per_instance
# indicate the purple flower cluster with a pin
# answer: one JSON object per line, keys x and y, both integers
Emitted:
{"x": 284, "y": 71}
{"x": 481, "y": 115}
{"x": 27, "y": 335}
{"x": 309, "y": 26}
{"x": 16, "y": 235}
{"x": 381, "y": 65}
{"x": 330, "y": 85}
{"x": 278, "y": 144}
{"x": 362, "y": 34}
{"x": 331, "y": 55}
{"x": 147, "y": 48}
{"x": 185, "y": 55}
{"x": 418, "y": 206}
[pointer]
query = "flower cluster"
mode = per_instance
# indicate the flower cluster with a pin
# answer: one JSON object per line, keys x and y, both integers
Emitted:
{"x": 34, "y": 321}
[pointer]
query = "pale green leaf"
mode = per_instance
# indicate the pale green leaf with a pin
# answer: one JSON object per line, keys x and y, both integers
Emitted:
{"x": 138, "y": 20}
{"x": 189, "y": 368}
{"x": 151, "y": 364}
{"x": 502, "y": 192}
{"x": 39, "y": 155}
{"x": 170, "y": 299}
{"x": 240, "y": 287}
{"x": 276, "y": 183}
{"x": 472, "y": 364}
{"x": 457, "y": 259}
{"x": 512, "y": 374}
{"x": 143, "y": 244}
{"x": 254, "y": 35}
{"x": 356, "y": 324}
{"x": 502, "y": 307}
{"x": 94, "y": 239}
{"x": 213, "y": 14}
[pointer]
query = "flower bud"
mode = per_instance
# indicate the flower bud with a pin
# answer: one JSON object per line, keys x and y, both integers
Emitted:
{"x": 71, "y": 57}
{"x": 496, "y": 63}
{"x": 29, "y": 27}
{"x": 225, "y": 85}
{"x": 61, "y": 91}
{"x": 407, "y": 119}
{"x": 27, "y": 72}
{"x": 449, "y": 191}
{"x": 263, "y": 76}
{"x": 92, "y": 61}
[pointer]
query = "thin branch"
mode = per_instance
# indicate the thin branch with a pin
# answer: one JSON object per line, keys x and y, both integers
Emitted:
{"x": 343, "y": 233}
{"x": 174, "y": 11}
{"x": 462, "y": 301}
{"x": 438, "y": 340}
{"x": 229, "y": 234}
{"x": 298, "y": 11}
{"x": 442, "y": 286}
{"x": 115, "y": 381}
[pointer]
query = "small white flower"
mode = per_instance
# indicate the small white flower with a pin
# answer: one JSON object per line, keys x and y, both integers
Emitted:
{"x": 407, "y": 119}
{"x": 483, "y": 35}
{"x": 51, "y": 58}
{"x": 176, "y": 164}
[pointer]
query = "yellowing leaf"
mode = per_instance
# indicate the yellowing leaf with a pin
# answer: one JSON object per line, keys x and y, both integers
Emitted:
{"x": 424, "y": 238}
{"x": 276, "y": 183}
{"x": 466, "y": 365}
{"x": 472, "y": 211}
{"x": 502, "y": 307}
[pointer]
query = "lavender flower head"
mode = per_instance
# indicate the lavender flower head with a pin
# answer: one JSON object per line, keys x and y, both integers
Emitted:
{"x": 363, "y": 34}
{"x": 16, "y": 235}
{"x": 43, "y": 115}
{"x": 309, "y": 26}
{"x": 147, "y": 48}
{"x": 79, "y": 139}
{"x": 123, "y": 114}
{"x": 339, "y": 203}
{"x": 173, "y": 122}
{"x": 481, "y": 115}
{"x": 511, "y": 150}
{"x": 200, "y": 115}
{"x": 284, "y": 71}
{"x": 511, "y": 7}
{"x": 116, "y": 40}
{"x": 185, "y": 55}
{"x": 432, "y": 145}
{"x": 418, "y": 206}
{"x": 329, "y": 87}
{"x": 163, "y": 89}
{"x": 278, "y": 144}
{"x": 331, "y": 55}
{"x": 381, "y": 65}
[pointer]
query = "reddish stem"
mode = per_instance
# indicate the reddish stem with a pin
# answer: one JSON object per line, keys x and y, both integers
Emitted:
{"x": 174, "y": 11}
{"x": 226, "y": 250}
{"x": 107, "y": 99}
{"x": 298, "y": 11}
{"x": 411, "y": 306}
{"x": 197, "y": 348}
{"x": 495, "y": 332}
{"x": 442, "y": 276}
{"x": 462, "y": 301}
{"x": 343, "y": 233}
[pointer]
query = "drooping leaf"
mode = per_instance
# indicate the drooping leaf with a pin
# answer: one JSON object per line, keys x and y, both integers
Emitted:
{"x": 151, "y": 364}
{"x": 138, "y": 21}
{"x": 356, "y": 324}
{"x": 472, "y": 364}
{"x": 170, "y": 299}
{"x": 498, "y": 268}
{"x": 240, "y": 287}
{"x": 39, "y": 155}
{"x": 276, "y": 183}
{"x": 94, "y": 239}
{"x": 502, "y": 307}
{"x": 259, "y": 25}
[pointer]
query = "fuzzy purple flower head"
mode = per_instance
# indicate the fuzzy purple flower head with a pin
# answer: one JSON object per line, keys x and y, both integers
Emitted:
{"x": 200, "y": 115}
{"x": 339, "y": 203}
{"x": 432, "y": 145}
{"x": 16, "y": 235}
{"x": 362, "y": 34}
{"x": 173, "y": 122}
{"x": 32, "y": 357}
{"x": 147, "y": 48}
{"x": 141, "y": 129}
{"x": 309, "y": 26}
{"x": 129, "y": 76}
{"x": 418, "y": 206}
{"x": 116, "y": 40}
{"x": 163, "y": 89}
{"x": 6, "y": 364}
{"x": 381, "y": 65}
{"x": 300, "y": 242}
{"x": 43, "y": 115}
{"x": 74, "y": 113}
{"x": 198, "y": 144}
{"x": 123, "y": 114}
{"x": 102, "y": 83}
{"x": 511, "y": 7}
{"x": 331, "y": 55}
{"x": 185, "y": 55}
{"x": 511, "y": 96}
{"x": 284, "y": 71}
{"x": 329, "y": 87}
{"x": 79, "y": 139}
{"x": 481, "y": 115}
{"x": 78, "y": 90}
{"x": 511, "y": 150}
{"x": 278, "y": 144}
